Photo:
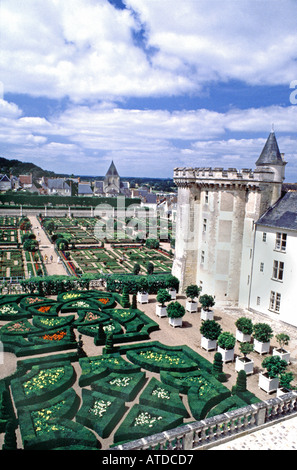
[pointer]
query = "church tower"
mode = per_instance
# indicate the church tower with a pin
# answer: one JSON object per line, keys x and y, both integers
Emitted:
{"x": 111, "y": 183}
{"x": 216, "y": 213}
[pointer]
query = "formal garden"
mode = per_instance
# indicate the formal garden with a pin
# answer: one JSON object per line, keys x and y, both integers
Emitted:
{"x": 134, "y": 386}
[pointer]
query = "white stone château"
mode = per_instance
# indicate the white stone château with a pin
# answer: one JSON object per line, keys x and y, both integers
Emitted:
{"x": 217, "y": 215}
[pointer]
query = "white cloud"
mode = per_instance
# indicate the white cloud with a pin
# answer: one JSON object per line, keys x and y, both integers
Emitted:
{"x": 85, "y": 48}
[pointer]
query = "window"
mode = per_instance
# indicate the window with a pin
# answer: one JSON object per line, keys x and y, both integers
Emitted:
{"x": 202, "y": 257}
{"x": 258, "y": 300}
{"x": 261, "y": 267}
{"x": 204, "y": 225}
{"x": 206, "y": 197}
{"x": 281, "y": 241}
{"x": 278, "y": 270}
{"x": 264, "y": 236}
{"x": 275, "y": 299}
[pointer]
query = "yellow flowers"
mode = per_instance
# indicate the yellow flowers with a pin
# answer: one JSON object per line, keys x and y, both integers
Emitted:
{"x": 43, "y": 379}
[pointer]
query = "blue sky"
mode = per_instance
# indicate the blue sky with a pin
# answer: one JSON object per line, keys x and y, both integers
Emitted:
{"x": 149, "y": 84}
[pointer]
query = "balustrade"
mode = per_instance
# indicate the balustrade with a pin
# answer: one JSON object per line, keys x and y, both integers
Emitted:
{"x": 212, "y": 431}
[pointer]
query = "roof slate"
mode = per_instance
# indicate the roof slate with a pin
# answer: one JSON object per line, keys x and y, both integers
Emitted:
{"x": 283, "y": 214}
{"x": 270, "y": 154}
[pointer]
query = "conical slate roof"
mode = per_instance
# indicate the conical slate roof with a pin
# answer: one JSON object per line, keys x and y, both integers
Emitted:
{"x": 270, "y": 154}
{"x": 112, "y": 171}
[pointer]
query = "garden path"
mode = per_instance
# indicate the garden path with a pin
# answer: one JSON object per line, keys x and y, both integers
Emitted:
{"x": 47, "y": 249}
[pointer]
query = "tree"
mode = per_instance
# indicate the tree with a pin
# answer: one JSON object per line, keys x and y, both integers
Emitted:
{"x": 241, "y": 381}
{"x": 175, "y": 310}
{"x": 163, "y": 296}
{"x": 274, "y": 365}
{"x": 109, "y": 343}
{"x": 262, "y": 332}
{"x": 206, "y": 301}
{"x": 217, "y": 368}
{"x": 285, "y": 380}
{"x": 246, "y": 348}
{"x": 100, "y": 335}
{"x": 210, "y": 329}
{"x": 136, "y": 268}
{"x": 152, "y": 243}
{"x": 125, "y": 302}
{"x": 226, "y": 340}
{"x": 192, "y": 291}
{"x": 150, "y": 267}
{"x": 244, "y": 325}
{"x": 283, "y": 340}
{"x": 10, "y": 441}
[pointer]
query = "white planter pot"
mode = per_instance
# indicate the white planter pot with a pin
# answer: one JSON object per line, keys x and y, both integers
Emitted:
{"x": 242, "y": 337}
{"x": 175, "y": 321}
{"x": 191, "y": 307}
{"x": 208, "y": 344}
{"x": 206, "y": 314}
{"x": 260, "y": 347}
{"x": 172, "y": 292}
{"x": 282, "y": 391}
{"x": 267, "y": 384}
{"x": 161, "y": 311}
{"x": 284, "y": 355}
{"x": 246, "y": 365}
{"x": 142, "y": 297}
{"x": 227, "y": 354}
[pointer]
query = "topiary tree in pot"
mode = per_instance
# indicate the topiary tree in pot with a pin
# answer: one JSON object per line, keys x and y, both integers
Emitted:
{"x": 163, "y": 296}
{"x": 262, "y": 333}
{"x": 244, "y": 329}
{"x": 192, "y": 291}
{"x": 274, "y": 366}
{"x": 226, "y": 343}
{"x": 207, "y": 301}
{"x": 210, "y": 331}
{"x": 245, "y": 363}
{"x": 283, "y": 340}
{"x": 175, "y": 312}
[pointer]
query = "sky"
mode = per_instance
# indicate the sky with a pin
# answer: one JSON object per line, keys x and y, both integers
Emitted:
{"x": 150, "y": 84}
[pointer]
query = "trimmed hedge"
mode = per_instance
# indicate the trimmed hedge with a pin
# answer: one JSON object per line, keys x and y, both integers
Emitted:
{"x": 102, "y": 423}
{"x": 50, "y": 390}
{"x": 125, "y": 385}
{"x": 158, "y": 421}
{"x": 162, "y": 397}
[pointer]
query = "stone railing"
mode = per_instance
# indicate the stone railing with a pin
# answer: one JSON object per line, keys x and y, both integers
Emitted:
{"x": 221, "y": 428}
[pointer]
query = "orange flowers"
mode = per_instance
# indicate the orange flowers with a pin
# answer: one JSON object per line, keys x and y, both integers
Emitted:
{"x": 44, "y": 308}
{"x": 55, "y": 336}
{"x": 103, "y": 301}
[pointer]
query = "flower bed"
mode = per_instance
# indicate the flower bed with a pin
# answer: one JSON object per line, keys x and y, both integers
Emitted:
{"x": 92, "y": 368}
{"x": 42, "y": 383}
{"x": 159, "y": 358}
{"x": 100, "y": 412}
{"x": 144, "y": 421}
{"x": 162, "y": 397}
{"x": 125, "y": 385}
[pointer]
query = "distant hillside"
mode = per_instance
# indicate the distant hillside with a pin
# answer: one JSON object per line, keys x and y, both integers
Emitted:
{"x": 16, "y": 168}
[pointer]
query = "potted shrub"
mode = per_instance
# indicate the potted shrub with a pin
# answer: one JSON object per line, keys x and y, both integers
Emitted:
{"x": 210, "y": 331}
{"x": 142, "y": 294}
{"x": 192, "y": 292}
{"x": 244, "y": 329}
{"x": 162, "y": 297}
{"x": 285, "y": 384}
{"x": 283, "y": 340}
{"x": 226, "y": 343}
{"x": 269, "y": 380}
{"x": 245, "y": 363}
{"x": 206, "y": 302}
{"x": 175, "y": 312}
{"x": 262, "y": 333}
{"x": 171, "y": 288}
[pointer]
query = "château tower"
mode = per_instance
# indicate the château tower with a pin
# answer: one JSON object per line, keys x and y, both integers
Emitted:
{"x": 216, "y": 212}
